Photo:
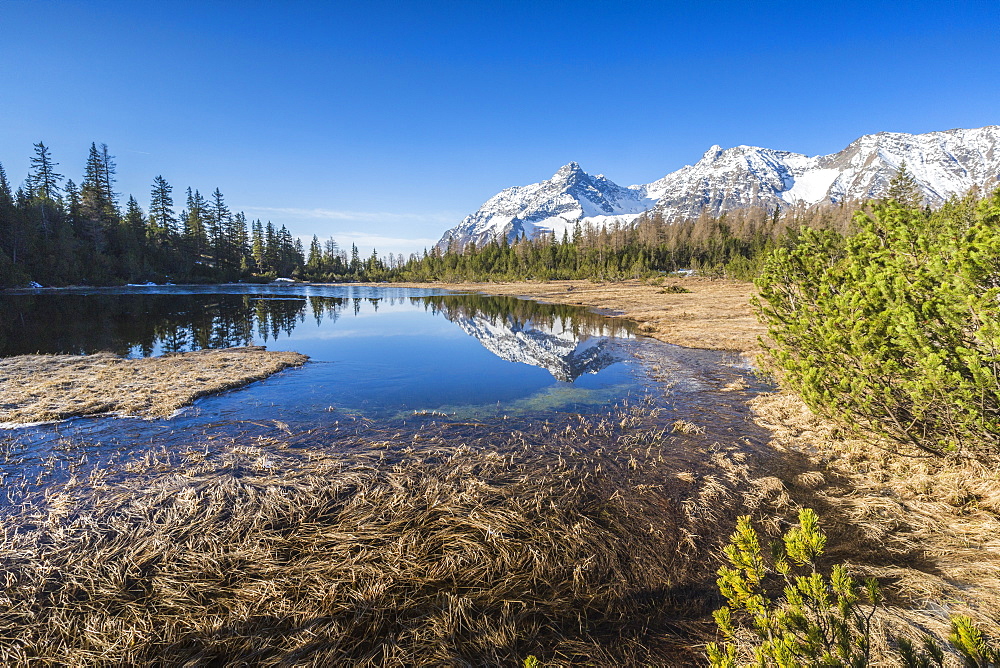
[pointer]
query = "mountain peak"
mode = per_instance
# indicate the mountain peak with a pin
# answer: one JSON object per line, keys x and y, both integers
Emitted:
{"x": 567, "y": 169}
{"x": 943, "y": 163}
{"x": 712, "y": 153}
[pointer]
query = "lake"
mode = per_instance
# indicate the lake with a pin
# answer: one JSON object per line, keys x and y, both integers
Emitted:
{"x": 382, "y": 359}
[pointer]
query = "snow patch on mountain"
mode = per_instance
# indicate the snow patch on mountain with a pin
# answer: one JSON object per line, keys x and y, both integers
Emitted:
{"x": 810, "y": 186}
{"x": 553, "y": 206}
{"x": 943, "y": 163}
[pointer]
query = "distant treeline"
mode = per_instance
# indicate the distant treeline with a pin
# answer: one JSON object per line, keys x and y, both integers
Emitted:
{"x": 732, "y": 244}
{"x": 56, "y": 232}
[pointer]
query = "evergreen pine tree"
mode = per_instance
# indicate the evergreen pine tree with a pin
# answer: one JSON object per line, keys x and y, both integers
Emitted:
{"x": 903, "y": 188}
{"x": 43, "y": 188}
{"x": 257, "y": 247}
{"x": 96, "y": 207}
{"x": 272, "y": 251}
{"x": 219, "y": 222}
{"x": 241, "y": 241}
{"x": 298, "y": 258}
{"x": 355, "y": 265}
{"x": 195, "y": 236}
{"x": 108, "y": 176}
{"x": 10, "y": 273}
{"x": 135, "y": 219}
{"x": 43, "y": 179}
{"x": 162, "y": 221}
{"x": 133, "y": 235}
{"x": 332, "y": 257}
{"x": 314, "y": 264}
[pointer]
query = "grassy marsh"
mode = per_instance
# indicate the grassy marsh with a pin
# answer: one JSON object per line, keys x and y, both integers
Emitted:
{"x": 37, "y": 388}
{"x": 713, "y": 314}
{"x": 589, "y": 543}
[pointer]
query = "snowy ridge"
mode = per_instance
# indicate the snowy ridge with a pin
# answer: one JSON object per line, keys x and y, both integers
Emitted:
{"x": 566, "y": 355}
{"x": 552, "y": 206}
{"x": 943, "y": 163}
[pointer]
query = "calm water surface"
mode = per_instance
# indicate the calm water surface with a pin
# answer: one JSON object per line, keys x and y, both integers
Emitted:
{"x": 380, "y": 358}
{"x": 374, "y": 352}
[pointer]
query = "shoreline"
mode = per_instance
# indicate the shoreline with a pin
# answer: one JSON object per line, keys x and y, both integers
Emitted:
{"x": 924, "y": 527}
{"x": 925, "y": 524}
{"x": 52, "y": 388}
{"x": 714, "y": 314}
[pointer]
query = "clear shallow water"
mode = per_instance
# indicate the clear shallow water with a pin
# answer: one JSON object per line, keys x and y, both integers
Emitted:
{"x": 376, "y": 353}
{"x": 383, "y": 362}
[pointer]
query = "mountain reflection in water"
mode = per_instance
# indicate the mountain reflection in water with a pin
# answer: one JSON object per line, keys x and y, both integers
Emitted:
{"x": 566, "y": 341}
{"x": 383, "y": 361}
{"x": 564, "y": 353}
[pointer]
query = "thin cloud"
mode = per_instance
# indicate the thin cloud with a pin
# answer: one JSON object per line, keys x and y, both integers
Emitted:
{"x": 364, "y": 239}
{"x": 357, "y": 216}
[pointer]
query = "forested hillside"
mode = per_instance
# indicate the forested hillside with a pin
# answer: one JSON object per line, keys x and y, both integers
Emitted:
{"x": 54, "y": 231}
{"x": 731, "y": 244}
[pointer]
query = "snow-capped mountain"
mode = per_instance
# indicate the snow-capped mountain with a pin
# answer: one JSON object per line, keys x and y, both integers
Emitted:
{"x": 565, "y": 354}
{"x": 943, "y": 163}
{"x": 555, "y": 205}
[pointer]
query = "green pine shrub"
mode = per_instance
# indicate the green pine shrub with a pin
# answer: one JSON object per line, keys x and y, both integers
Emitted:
{"x": 896, "y": 329}
{"x": 819, "y": 619}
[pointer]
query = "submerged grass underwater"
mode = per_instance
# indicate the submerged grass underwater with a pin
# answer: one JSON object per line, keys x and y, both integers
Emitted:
{"x": 592, "y": 543}
{"x": 582, "y": 544}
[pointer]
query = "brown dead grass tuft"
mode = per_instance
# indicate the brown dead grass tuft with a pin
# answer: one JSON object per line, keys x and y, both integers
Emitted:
{"x": 37, "y": 388}
{"x": 928, "y": 526}
{"x": 418, "y": 552}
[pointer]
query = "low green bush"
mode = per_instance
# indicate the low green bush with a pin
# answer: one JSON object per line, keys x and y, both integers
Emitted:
{"x": 819, "y": 619}
{"x": 896, "y": 329}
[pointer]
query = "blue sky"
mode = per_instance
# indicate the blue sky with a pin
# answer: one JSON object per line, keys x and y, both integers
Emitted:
{"x": 384, "y": 123}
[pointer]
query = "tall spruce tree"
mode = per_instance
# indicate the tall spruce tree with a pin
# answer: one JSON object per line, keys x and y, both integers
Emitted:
{"x": 355, "y": 265}
{"x": 43, "y": 180}
{"x": 135, "y": 219}
{"x": 43, "y": 189}
{"x": 903, "y": 188}
{"x": 195, "y": 235}
{"x": 96, "y": 206}
{"x": 257, "y": 248}
{"x": 314, "y": 265}
{"x": 162, "y": 221}
{"x": 108, "y": 176}
{"x": 219, "y": 222}
{"x": 239, "y": 241}
{"x": 10, "y": 273}
{"x": 272, "y": 250}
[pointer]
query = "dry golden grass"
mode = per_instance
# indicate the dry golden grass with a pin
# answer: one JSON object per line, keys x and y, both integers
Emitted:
{"x": 936, "y": 521}
{"x": 36, "y": 388}
{"x": 715, "y": 314}
{"x": 593, "y": 545}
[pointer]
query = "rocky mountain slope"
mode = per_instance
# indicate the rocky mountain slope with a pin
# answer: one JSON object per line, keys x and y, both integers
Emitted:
{"x": 554, "y": 205}
{"x": 944, "y": 164}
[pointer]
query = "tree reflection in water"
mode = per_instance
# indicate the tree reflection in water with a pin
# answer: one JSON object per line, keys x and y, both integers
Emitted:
{"x": 566, "y": 340}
